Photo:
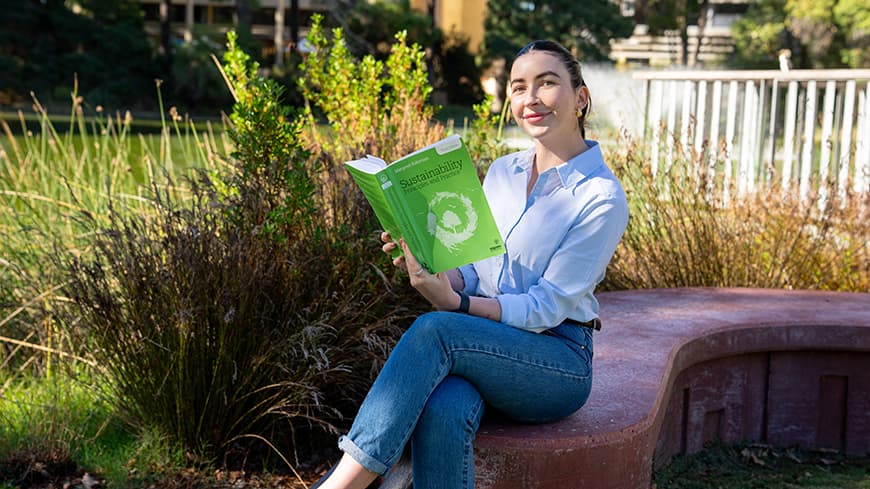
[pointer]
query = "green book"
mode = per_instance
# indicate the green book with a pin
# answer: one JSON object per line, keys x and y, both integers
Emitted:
{"x": 432, "y": 198}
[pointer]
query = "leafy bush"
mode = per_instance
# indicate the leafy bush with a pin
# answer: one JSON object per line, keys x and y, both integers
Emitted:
{"x": 484, "y": 135}
{"x": 372, "y": 106}
{"x": 832, "y": 34}
{"x": 246, "y": 313}
{"x": 681, "y": 234}
{"x": 371, "y": 28}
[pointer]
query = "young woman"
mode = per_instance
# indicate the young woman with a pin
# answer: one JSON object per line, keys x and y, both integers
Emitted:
{"x": 513, "y": 333}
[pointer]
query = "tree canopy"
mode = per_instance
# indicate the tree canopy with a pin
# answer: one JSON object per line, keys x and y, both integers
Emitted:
{"x": 583, "y": 27}
{"x": 818, "y": 33}
{"x": 44, "y": 44}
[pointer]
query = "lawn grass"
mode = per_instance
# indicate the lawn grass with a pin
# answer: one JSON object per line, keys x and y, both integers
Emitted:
{"x": 757, "y": 466}
{"x": 144, "y": 123}
{"x": 57, "y": 428}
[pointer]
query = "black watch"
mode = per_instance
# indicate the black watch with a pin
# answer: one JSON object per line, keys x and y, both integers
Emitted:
{"x": 464, "y": 302}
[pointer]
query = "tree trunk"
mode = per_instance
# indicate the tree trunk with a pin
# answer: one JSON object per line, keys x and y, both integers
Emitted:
{"x": 243, "y": 26}
{"x": 684, "y": 44}
{"x": 294, "y": 23}
{"x": 165, "y": 50}
{"x": 641, "y": 12}
{"x": 165, "y": 26}
{"x": 188, "y": 21}
{"x": 702, "y": 24}
{"x": 279, "y": 33}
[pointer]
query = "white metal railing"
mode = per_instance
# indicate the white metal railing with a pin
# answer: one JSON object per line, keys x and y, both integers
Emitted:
{"x": 801, "y": 129}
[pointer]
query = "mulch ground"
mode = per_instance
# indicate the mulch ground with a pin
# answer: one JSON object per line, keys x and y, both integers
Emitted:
{"x": 27, "y": 473}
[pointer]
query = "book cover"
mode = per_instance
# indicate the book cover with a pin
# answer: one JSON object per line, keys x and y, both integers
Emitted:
{"x": 432, "y": 198}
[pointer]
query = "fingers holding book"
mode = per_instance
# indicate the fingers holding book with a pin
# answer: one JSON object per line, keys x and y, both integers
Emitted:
{"x": 412, "y": 266}
{"x": 392, "y": 249}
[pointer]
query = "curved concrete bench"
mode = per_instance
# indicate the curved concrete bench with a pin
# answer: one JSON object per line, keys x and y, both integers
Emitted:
{"x": 677, "y": 368}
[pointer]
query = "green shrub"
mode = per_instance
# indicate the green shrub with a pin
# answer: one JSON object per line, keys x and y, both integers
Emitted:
{"x": 452, "y": 67}
{"x": 484, "y": 135}
{"x": 372, "y": 107}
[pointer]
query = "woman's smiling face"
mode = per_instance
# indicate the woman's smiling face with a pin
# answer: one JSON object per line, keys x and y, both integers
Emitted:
{"x": 543, "y": 102}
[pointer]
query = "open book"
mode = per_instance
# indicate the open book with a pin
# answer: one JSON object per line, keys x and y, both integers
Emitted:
{"x": 433, "y": 199}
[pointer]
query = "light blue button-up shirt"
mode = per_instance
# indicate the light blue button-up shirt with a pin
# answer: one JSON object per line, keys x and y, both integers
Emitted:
{"x": 558, "y": 240}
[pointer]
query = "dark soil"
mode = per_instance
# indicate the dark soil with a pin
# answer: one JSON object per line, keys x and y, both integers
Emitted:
{"x": 31, "y": 471}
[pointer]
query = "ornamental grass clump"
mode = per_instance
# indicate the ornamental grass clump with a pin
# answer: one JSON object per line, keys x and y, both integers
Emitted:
{"x": 683, "y": 232}
{"x": 50, "y": 174}
{"x": 53, "y": 422}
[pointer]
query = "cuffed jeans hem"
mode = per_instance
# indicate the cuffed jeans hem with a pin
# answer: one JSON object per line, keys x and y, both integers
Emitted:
{"x": 364, "y": 459}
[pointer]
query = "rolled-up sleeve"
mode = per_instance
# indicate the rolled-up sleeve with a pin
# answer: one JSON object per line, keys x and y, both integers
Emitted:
{"x": 469, "y": 279}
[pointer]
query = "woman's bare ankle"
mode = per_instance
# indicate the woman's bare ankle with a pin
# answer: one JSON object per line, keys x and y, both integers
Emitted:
{"x": 349, "y": 474}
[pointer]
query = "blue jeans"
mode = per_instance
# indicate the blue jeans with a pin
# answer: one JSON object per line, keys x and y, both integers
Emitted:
{"x": 433, "y": 388}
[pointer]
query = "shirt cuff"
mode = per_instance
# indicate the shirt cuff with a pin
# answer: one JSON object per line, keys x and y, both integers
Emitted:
{"x": 469, "y": 278}
{"x": 512, "y": 309}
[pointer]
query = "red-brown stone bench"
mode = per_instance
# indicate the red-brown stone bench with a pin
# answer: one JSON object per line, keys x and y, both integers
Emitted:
{"x": 677, "y": 368}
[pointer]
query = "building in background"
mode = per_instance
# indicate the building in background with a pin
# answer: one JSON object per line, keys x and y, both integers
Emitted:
{"x": 186, "y": 16}
{"x": 708, "y": 37}
{"x": 464, "y": 17}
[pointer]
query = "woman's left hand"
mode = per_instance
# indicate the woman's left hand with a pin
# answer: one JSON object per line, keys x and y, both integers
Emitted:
{"x": 435, "y": 288}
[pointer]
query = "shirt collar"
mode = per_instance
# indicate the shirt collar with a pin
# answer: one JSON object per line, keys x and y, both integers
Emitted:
{"x": 581, "y": 166}
{"x": 572, "y": 171}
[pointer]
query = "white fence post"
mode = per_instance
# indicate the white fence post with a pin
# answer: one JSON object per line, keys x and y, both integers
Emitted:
{"x": 788, "y": 138}
{"x": 671, "y": 121}
{"x": 655, "y": 109}
{"x": 714, "y": 137}
{"x": 808, "y": 142}
{"x": 862, "y": 144}
{"x": 773, "y": 126}
{"x": 686, "y": 116}
{"x": 750, "y": 105}
{"x": 827, "y": 142}
{"x": 757, "y": 158}
{"x": 846, "y": 146}
{"x": 731, "y": 121}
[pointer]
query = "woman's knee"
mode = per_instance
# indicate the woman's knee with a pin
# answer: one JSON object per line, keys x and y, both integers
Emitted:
{"x": 455, "y": 403}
